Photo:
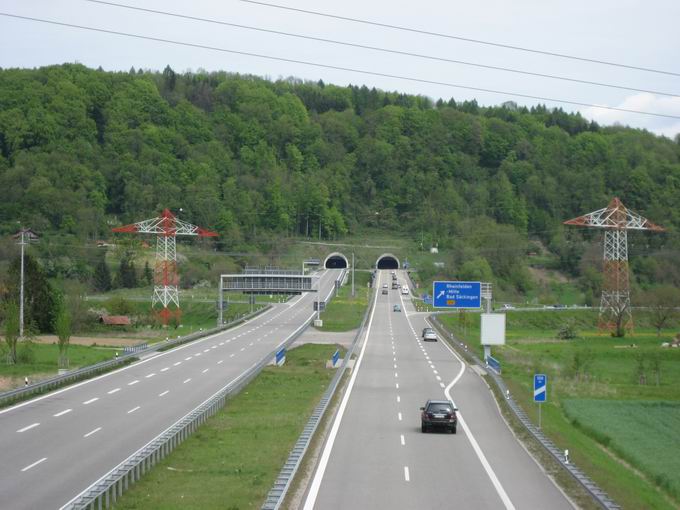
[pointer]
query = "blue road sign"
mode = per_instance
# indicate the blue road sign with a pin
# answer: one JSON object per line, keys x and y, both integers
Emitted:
{"x": 457, "y": 294}
{"x": 540, "y": 387}
{"x": 281, "y": 357}
{"x": 336, "y": 357}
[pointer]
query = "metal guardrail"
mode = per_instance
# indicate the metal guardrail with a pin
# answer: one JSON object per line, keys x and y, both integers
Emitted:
{"x": 91, "y": 370}
{"x": 599, "y": 495}
{"x": 135, "y": 348}
{"x": 110, "y": 487}
{"x": 280, "y": 488}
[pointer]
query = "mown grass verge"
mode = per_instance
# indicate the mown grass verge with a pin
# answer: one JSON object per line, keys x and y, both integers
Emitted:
{"x": 233, "y": 459}
{"x": 594, "y": 366}
{"x": 344, "y": 312}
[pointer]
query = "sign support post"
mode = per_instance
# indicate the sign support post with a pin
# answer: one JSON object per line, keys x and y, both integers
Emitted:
{"x": 540, "y": 392}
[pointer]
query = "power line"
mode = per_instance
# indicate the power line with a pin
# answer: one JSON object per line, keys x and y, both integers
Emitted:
{"x": 381, "y": 49}
{"x": 466, "y": 39}
{"x": 338, "y": 68}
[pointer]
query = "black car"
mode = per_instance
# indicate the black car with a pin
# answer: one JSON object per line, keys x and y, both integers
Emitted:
{"x": 438, "y": 414}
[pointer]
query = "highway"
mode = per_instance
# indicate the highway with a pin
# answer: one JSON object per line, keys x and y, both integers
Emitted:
{"x": 375, "y": 455}
{"x": 55, "y": 446}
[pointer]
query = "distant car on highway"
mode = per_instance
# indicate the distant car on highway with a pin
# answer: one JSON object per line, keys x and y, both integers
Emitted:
{"x": 396, "y": 308}
{"x": 429, "y": 334}
{"x": 404, "y": 289}
{"x": 395, "y": 285}
{"x": 507, "y": 306}
{"x": 384, "y": 291}
{"x": 439, "y": 414}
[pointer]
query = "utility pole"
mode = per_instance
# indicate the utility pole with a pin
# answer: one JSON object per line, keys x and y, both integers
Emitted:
{"x": 352, "y": 274}
{"x": 24, "y": 236}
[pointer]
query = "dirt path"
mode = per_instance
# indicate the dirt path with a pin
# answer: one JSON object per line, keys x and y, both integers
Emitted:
{"x": 90, "y": 340}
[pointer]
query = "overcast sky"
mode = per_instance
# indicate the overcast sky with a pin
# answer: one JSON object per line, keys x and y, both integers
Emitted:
{"x": 633, "y": 32}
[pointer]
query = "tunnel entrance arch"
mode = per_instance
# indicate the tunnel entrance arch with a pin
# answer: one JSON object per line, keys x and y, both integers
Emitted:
{"x": 336, "y": 261}
{"x": 387, "y": 261}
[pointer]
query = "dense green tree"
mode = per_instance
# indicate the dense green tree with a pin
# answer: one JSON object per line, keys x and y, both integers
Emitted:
{"x": 41, "y": 302}
{"x": 102, "y": 276}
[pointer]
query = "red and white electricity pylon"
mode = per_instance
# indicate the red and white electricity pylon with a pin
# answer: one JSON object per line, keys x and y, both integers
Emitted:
{"x": 166, "y": 279}
{"x": 615, "y": 310}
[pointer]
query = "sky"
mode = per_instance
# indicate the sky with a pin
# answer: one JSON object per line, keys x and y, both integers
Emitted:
{"x": 631, "y": 32}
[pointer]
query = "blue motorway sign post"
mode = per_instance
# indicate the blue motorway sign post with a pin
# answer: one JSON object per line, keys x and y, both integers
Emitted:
{"x": 457, "y": 294}
{"x": 540, "y": 392}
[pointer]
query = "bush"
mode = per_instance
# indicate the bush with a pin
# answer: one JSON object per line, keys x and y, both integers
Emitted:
{"x": 567, "y": 331}
{"x": 119, "y": 306}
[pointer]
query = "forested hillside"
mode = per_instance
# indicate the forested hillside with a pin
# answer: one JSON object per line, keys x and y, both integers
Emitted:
{"x": 82, "y": 150}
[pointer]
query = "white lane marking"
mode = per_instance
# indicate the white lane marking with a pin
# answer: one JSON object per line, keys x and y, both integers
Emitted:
{"x": 186, "y": 380}
{"x": 206, "y": 350}
{"x": 397, "y": 385}
{"x": 164, "y": 393}
{"x": 91, "y": 400}
{"x": 243, "y": 349}
{"x": 396, "y": 374}
{"x": 165, "y": 369}
{"x": 29, "y": 427}
{"x": 214, "y": 347}
{"x": 231, "y": 355}
{"x": 34, "y": 464}
{"x": 442, "y": 385}
{"x": 133, "y": 382}
{"x": 325, "y": 455}
{"x": 62, "y": 413}
{"x": 151, "y": 375}
{"x": 92, "y": 432}
{"x": 475, "y": 445}
{"x": 399, "y": 416}
{"x": 205, "y": 370}
{"x": 398, "y": 398}
{"x": 403, "y": 441}
{"x": 395, "y": 365}
{"x": 251, "y": 344}
{"x": 188, "y": 358}
{"x": 407, "y": 475}
{"x": 176, "y": 364}
{"x": 135, "y": 365}
{"x": 133, "y": 409}
{"x": 197, "y": 354}
{"x": 439, "y": 378}
{"x": 114, "y": 390}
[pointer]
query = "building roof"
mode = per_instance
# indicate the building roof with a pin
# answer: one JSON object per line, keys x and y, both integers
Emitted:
{"x": 115, "y": 320}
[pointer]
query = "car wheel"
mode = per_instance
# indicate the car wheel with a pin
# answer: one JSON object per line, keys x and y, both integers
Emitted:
{"x": 423, "y": 429}
{"x": 453, "y": 430}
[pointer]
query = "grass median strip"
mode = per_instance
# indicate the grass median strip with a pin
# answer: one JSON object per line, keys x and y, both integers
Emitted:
{"x": 345, "y": 312}
{"x": 233, "y": 459}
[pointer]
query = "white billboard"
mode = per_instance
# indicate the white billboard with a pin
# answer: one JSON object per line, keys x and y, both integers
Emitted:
{"x": 493, "y": 329}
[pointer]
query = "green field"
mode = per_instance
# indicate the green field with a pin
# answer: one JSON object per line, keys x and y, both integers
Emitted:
{"x": 618, "y": 372}
{"x": 233, "y": 459}
{"x": 644, "y": 433}
{"x": 39, "y": 361}
{"x": 344, "y": 312}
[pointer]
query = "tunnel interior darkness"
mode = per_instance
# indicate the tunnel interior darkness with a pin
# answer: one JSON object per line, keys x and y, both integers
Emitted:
{"x": 388, "y": 262}
{"x": 336, "y": 262}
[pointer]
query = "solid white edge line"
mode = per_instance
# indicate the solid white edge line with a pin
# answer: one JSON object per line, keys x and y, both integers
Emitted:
{"x": 313, "y": 493}
{"x": 34, "y": 464}
{"x": 475, "y": 445}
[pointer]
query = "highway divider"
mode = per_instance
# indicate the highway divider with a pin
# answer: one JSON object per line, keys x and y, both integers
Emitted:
{"x": 106, "y": 491}
{"x": 600, "y": 496}
{"x": 73, "y": 376}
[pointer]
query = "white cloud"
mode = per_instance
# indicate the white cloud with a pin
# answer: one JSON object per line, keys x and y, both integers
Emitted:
{"x": 644, "y": 102}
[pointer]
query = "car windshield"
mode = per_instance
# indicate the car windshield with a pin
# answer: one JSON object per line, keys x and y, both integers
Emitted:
{"x": 439, "y": 408}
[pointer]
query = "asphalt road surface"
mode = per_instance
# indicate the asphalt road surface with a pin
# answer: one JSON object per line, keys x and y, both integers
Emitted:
{"x": 377, "y": 457}
{"x": 55, "y": 446}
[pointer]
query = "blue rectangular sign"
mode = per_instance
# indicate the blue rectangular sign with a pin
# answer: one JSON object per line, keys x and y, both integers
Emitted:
{"x": 540, "y": 387}
{"x": 457, "y": 294}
